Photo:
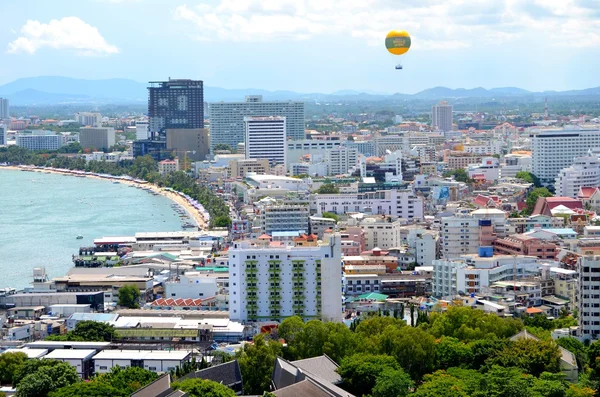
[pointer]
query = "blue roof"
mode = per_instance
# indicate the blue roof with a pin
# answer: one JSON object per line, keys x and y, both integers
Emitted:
{"x": 560, "y": 231}
{"x": 93, "y": 316}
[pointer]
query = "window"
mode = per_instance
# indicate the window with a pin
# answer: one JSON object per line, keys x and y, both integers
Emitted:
{"x": 103, "y": 367}
{"x": 152, "y": 368}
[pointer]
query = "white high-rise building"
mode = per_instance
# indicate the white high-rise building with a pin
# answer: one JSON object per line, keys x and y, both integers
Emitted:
{"x": 555, "y": 149}
{"x": 89, "y": 119}
{"x": 441, "y": 116}
{"x": 459, "y": 236}
{"x": 4, "y": 110}
{"x": 588, "y": 302}
{"x": 227, "y": 119}
{"x": 272, "y": 282}
{"x": 585, "y": 171}
{"x": 382, "y": 233}
{"x": 47, "y": 141}
{"x": 341, "y": 159}
{"x": 266, "y": 139}
{"x": 141, "y": 130}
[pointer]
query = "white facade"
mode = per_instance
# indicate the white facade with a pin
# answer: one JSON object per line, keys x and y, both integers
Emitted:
{"x": 227, "y": 118}
{"x": 389, "y": 144}
{"x": 588, "y": 306}
{"x": 441, "y": 116}
{"x": 4, "y": 109}
{"x": 554, "y": 150}
{"x": 341, "y": 159}
{"x": 514, "y": 163}
{"x": 141, "y": 130}
{"x": 89, "y": 119}
{"x": 489, "y": 168}
{"x": 193, "y": 285}
{"x": 152, "y": 360}
{"x": 41, "y": 141}
{"x": 311, "y": 169}
{"x": 459, "y": 236}
{"x": 424, "y": 246}
{"x": 585, "y": 171}
{"x": 400, "y": 203}
{"x": 282, "y": 281}
{"x": 77, "y": 358}
{"x": 279, "y": 216}
{"x": 266, "y": 139}
{"x": 489, "y": 148}
{"x": 381, "y": 233}
{"x": 168, "y": 166}
{"x": 298, "y": 148}
{"x": 474, "y": 274}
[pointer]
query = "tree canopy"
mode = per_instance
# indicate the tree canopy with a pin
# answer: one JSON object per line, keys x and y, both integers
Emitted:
{"x": 203, "y": 388}
{"x": 328, "y": 188}
{"x": 129, "y": 296}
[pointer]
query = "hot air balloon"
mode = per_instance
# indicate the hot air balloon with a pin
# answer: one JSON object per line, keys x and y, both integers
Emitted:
{"x": 397, "y": 43}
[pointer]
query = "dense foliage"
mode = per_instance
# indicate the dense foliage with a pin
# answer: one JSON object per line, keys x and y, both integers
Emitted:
{"x": 37, "y": 378}
{"x": 117, "y": 383}
{"x": 529, "y": 177}
{"x": 328, "y": 188}
{"x": 129, "y": 296}
{"x": 203, "y": 388}
{"x": 142, "y": 167}
{"x": 88, "y": 331}
{"x": 459, "y": 174}
{"x": 532, "y": 198}
{"x": 9, "y": 364}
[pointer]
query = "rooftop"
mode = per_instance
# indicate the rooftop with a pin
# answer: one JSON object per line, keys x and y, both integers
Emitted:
{"x": 70, "y": 354}
{"x": 142, "y": 355}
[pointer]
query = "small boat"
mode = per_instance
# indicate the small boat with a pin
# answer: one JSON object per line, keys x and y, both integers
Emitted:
{"x": 79, "y": 237}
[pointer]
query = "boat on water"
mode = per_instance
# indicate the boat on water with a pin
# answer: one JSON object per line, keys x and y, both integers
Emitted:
{"x": 79, "y": 237}
{"x": 116, "y": 183}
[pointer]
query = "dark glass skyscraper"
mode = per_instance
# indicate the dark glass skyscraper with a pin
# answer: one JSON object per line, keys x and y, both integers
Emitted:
{"x": 175, "y": 104}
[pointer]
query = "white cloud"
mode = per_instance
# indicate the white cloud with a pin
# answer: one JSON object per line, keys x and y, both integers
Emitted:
{"x": 69, "y": 33}
{"x": 434, "y": 24}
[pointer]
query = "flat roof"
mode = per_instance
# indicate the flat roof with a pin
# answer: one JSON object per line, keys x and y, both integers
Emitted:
{"x": 31, "y": 353}
{"x": 74, "y": 345}
{"x": 560, "y": 270}
{"x": 491, "y": 304}
{"x": 142, "y": 355}
{"x": 71, "y": 354}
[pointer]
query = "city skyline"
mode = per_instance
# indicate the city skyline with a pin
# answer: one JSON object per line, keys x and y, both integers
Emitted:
{"x": 307, "y": 46}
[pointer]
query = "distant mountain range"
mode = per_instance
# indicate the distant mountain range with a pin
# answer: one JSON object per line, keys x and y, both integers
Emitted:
{"x": 53, "y": 90}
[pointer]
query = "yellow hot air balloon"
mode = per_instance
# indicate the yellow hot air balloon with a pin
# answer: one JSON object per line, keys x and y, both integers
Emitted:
{"x": 397, "y": 43}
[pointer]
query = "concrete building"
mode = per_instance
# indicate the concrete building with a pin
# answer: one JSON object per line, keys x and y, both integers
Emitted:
{"x": 272, "y": 280}
{"x": 240, "y": 168}
{"x": 318, "y": 225}
{"x": 193, "y": 143}
{"x": 487, "y": 170}
{"x": 141, "y": 130}
{"x": 398, "y": 203}
{"x": 298, "y": 148}
{"x": 521, "y": 244}
{"x": 375, "y": 257}
{"x": 588, "y": 306}
{"x": 88, "y": 119}
{"x": 3, "y": 134}
{"x": 151, "y": 360}
{"x": 584, "y": 172}
{"x": 382, "y": 232}
{"x": 280, "y": 216}
{"x": 475, "y": 273}
{"x": 514, "y": 163}
{"x": 80, "y": 359}
{"x": 456, "y": 160}
{"x": 40, "y": 141}
{"x": 389, "y": 144}
{"x": 341, "y": 159}
{"x": 4, "y": 109}
{"x": 554, "y": 150}
{"x": 459, "y": 235}
{"x": 484, "y": 148}
{"x": 227, "y": 118}
{"x": 441, "y": 116}
{"x": 96, "y": 137}
{"x": 168, "y": 166}
{"x": 266, "y": 139}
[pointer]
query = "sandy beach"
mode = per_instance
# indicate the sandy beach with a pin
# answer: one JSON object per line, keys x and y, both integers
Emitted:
{"x": 188, "y": 207}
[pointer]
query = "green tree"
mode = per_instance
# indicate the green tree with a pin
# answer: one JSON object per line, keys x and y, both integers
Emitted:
{"x": 532, "y": 198}
{"x": 531, "y": 356}
{"x": 441, "y": 384}
{"x": 94, "y": 331}
{"x": 39, "y": 379}
{"x": 576, "y": 347}
{"x": 88, "y": 389}
{"x": 127, "y": 380}
{"x": 331, "y": 215}
{"x": 529, "y": 177}
{"x": 359, "y": 372}
{"x": 223, "y": 221}
{"x": 222, "y": 146}
{"x": 203, "y": 388}
{"x": 328, "y": 188}
{"x": 257, "y": 361}
{"x": 129, "y": 296}
{"x": 450, "y": 352}
{"x": 391, "y": 382}
{"x": 459, "y": 174}
{"x": 9, "y": 364}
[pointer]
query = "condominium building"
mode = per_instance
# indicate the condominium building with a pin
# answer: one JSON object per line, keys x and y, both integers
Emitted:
{"x": 389, "y": 144}
{"x": 88, "y": 119}
{"x": 341, "y": 159}
{"x": 584, "y": 172}
{"x": 441, "y": 116}
{"x": 483, "y": 148}
{"x": 43, "y": 141}
{"x": 474, "y": 274}
{"x": 381, "y": 232}
{"x": 141, "y": 130}
{"x": 399, "y": 203}
{"x": 278, "y": 216}
{"x": 458, "y": 160}
{"x": 266, "y": 139}
{"x": 275, "y": 280}
{"x": 459, "y": 235}
{"x": 227, "y": 118}
{"x": 190, "y": 143}
{"x": 554, "y": 150}
{"x": 3, "y": 134}
{"x": 514, "y": 163}
{"x": 366, "y": 148}
{"x": 4, "y": 109}
{"x": 239, "y": 168}
{"x": 96, "y": 138}
{"x": 588, "y": 302}
{"x": 296, "y": 149}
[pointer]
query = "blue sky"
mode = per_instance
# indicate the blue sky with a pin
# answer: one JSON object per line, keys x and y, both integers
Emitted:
{"x": 307, "y": 45}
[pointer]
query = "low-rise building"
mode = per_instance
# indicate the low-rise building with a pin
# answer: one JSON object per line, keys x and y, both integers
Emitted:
{"x": 151, "y": 360}
{"x": 168, "y": 166}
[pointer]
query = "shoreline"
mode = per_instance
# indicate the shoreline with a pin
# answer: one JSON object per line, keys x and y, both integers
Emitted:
{"x": 172, "y": 195}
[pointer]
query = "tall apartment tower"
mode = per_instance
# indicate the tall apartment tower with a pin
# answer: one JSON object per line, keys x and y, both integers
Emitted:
{"x": 441, "y": 116}
{"x": 588, "y": 307}
{"x": 96, "y": 138}
{"x": 227, "y": 124}
{"x": 175, "y": 104}
{"x": 266, "y": 139}
{"x": 4, "y": 111}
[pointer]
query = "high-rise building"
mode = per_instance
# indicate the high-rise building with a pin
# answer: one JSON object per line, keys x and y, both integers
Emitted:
{"x": 278, "y": 216}
{"x": 302, "y": 278}
{"x": 89, "y": 119}
{"x": 192, "y": 144}
{"x": 40, "y": 141}
{"x": 141, "y": 130}
{"x": 585, "y": 171}
{"x": 266, "y": 138}
{"x": 239, "y": 168}
{"x": 441, "y": 116}
{"x": 4, "y": 110}
{"x": 554, "y": 150}
{"x": 3, "y": 134}
{"x": 96, "y": 138}
{"x": 459, "y": 236}
{"x": 341, "y": 159}
{"x": 227, "y": 119}
{"x": 175, "y": 104}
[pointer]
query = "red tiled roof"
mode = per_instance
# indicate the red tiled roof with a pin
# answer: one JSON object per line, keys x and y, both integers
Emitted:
{"x": 180, "y": 302}
{"x": 586, "y": 192}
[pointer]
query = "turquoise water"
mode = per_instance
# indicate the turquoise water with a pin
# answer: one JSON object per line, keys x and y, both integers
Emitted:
{"x": 42, "y": 214}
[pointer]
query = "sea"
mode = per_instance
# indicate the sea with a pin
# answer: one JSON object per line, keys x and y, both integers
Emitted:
{"x": 41, "y": 215}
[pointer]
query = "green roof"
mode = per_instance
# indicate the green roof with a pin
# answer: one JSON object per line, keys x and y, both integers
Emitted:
{"x": 373, "y": 296}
